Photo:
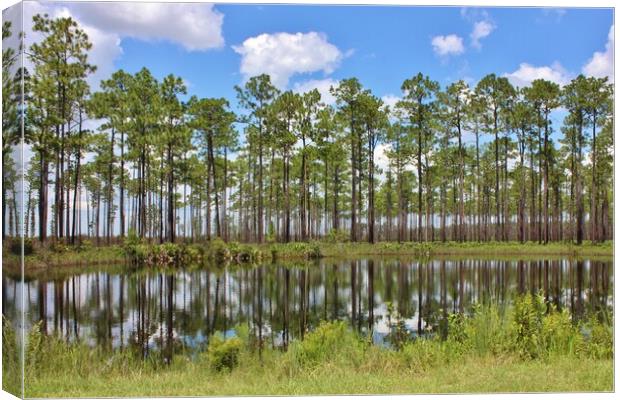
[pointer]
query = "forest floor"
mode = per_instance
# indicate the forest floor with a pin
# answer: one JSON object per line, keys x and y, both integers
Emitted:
{"x": 45, "y": 258}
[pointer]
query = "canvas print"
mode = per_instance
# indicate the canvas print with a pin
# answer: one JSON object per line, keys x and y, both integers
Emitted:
{"x": 257, "y": 199}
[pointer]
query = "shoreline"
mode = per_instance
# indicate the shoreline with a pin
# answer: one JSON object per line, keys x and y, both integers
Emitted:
{"x": 113, "y": 256}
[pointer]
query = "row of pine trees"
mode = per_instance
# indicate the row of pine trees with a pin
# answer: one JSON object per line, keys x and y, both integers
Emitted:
{"x": 455, "y": 163}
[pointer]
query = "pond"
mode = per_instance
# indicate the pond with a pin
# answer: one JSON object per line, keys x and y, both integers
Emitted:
{"x": 178, "y": 310}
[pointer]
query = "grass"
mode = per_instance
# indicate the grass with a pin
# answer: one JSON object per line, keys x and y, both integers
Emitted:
{"x": 66, "y": 261}
{"x": 46, "y": 258}
{"x": 494, "y": 249}
{"x": 527, "y": 349}
{"x": 471, "y": 375}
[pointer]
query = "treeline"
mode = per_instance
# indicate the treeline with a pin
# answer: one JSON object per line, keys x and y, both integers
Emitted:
{"x": 458, "y": 163}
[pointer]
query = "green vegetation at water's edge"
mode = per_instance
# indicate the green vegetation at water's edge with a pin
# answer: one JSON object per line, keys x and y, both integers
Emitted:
{"x": 529, "y": 347}
{"x": 219, "y": 251}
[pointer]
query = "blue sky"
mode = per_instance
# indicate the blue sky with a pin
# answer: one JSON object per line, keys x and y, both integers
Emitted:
{"x": 381, "y": 45}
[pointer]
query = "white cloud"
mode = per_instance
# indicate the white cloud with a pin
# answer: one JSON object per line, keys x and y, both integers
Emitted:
{"x": 390, "y": 100}
{"x": 446, "y": 45}
{"x": 554, "y": 11}
{"x": 322, "y": 85}
{"x": 527, "y": 73}
{"x": 282, "y": 55}
{"x": 474, "y": 13}
{"x": 602, "y": 63}
{"x": 106, "y": 45}
{"x": 195, "y": 26}
{"x": 381, "y": 160}
{"x": 481, "y": 30}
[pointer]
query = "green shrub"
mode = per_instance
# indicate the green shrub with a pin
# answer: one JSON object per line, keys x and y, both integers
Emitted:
{"x": 456, "y": 328}
{"x": 59, "y": 246}
{"x": 271, "y": 233}
{"x": 399, "y": 335}
{"x": 219, "y": 251}
{"x": 423, "y": 354}
{"x": 274, "y": 253}
{"x": 558, "y": 334}
{"x": 191, "y": 254}
{"x": 223, "y": 354}
{"x": 84, "y": 245}
{"x": 599, "y": 344}
{"x": 337, "y": 236}
{"x": 529, "y": 312}
{"x": 390, "y": 247}
{"x": 329, "y": 342}
{"x": 313, "y": 251}
{"x": 248, "y": 254}
{"x": 16, "y": 246}
{"x": 486, "y": 331}
{"x": 133, "y": 246}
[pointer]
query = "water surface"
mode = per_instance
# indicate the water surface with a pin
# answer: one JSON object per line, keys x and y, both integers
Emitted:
{"x": 178, "y": 310}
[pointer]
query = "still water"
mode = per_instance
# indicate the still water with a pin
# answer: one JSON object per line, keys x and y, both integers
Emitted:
{"x": 178, "y": 310}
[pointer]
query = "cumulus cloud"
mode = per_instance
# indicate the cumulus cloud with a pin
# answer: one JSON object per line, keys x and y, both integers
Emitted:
{"x": 526, "y": 73}
{"x": 447, "y": 45}
{"x": 282, "y": 55}
{"x": 602, "y": 63}
{"x": 322, "y": 85}
{"x": 381, "y": 159}
{"x": 195, "y": 26}
{"x": 390, "y": 100}
{"x": 106, "y": 45}
{"x": 481, "y": 30}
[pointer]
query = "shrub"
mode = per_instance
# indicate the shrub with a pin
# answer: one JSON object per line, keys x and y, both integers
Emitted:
{"x": 390, "y": 247}
{"x": 271, "y": 233}
{"x": 131, "y": 246}
{"x": 223, "y": 354}
{"x": 59, "y": 246}
{"x": 219, "y": 251}
{"x": 529, "y": 312}
{"x": 337, "y": 236}
{"x": 558, "y": 334}
{"x": 423, "y": 354}
{"x": 248, "y": 254}
{"x": 16, "y": 246}
{"x": 84, "y": 245}
{"x": 313, "y": 251}
{"x": 274, "y": 253}
{"x": 330, "y": 341}
{"x": 456, "y": 328}
{"x": 191, "y": 254}
{"x": 399, "y": 335}
{"x": 599, "y": 344}
{"x": 486, "y": 331}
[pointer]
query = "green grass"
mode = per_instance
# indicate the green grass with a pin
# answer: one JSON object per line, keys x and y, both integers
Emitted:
{"x": 488, "y": 249}
{"x": 471, "y": 375}
{"x": 525, "y": 349}
{"x": 69, "y": 260}
{"x": 47, "y": 259}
